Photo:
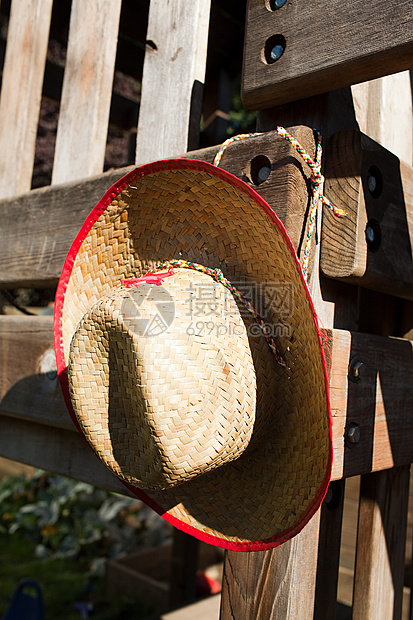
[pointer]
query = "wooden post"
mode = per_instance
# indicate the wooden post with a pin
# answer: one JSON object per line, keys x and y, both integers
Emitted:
{"x": 379, "y": 572}
{"x": 328, "y": 113}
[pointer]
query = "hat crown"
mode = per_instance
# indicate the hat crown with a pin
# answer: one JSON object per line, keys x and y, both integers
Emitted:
{"x": 170, "y": 387}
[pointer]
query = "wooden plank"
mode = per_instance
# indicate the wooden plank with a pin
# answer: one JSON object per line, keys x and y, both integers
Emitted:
{"x": 385, "y": 113}
{"x": 207, "y": 609}
{"x": 173, "y": 75}
{"x": 22, "y": 79}
{"x": 328, "y": 562}
{"x": 376, "y": 190}
{"x": 380, "y": 403}
{"x": 183, "y": 569}
{"x": 327, "y": 45}
{"x": 379, "y": 574}
{"x": 257, "y": 584}
{"x": 29, "y": 387}
{"x": 55, "y": 450}
{"x": 46, "y": 221}
{"x": 87, "y": 90}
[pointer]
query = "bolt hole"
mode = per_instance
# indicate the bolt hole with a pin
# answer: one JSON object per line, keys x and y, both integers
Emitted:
{"x": 373, "y": 235}
{"x": 374, "y": 181}
{"x": 274, "y": 48}
{"x": 260, "y": 169}
{"x": 273, "y": 5}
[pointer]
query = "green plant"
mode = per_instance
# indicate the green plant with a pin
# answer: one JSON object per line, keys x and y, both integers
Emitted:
{"x": 66, "y": 519}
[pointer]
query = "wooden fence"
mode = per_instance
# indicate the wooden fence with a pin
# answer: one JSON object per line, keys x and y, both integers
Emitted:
{"x": 362, "y": 275}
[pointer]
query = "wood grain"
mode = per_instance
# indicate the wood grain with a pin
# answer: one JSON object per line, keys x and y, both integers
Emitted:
{"x": 384, "y": 112}
{"x": 328, "y": 44}
{"x": 55, "y": 450}
{"x": 87, "y": 90}
{"x": 256, "y": 585}
{"x": 351, "y": 159}
{"x": 46, "y": 221}
{"x": 379, "y": 571}
{"x": 29, "y": 387}
{"x": 173, "y": 75}
{"x": 380, "y": 404}
{"x": 21, "y": 91}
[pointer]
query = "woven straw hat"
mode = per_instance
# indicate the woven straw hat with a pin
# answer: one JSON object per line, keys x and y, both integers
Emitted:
{"x": 167, "y": 375}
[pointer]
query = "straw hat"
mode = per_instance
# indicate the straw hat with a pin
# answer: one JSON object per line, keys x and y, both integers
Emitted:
{"x": 167, "y": 375}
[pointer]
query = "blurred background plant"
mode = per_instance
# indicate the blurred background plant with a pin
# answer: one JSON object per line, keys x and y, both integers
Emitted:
{"x": 67, "y": 519}
{"x": 61, "y": 532}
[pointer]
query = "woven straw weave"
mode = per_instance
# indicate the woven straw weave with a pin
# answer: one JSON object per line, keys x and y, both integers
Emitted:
{"x": 241, "y": 496}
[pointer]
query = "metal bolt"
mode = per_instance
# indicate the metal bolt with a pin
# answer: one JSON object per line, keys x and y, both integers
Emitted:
{"x": 356, "y": 369}
{"x": 329, "y": 495}
{"x": 276, "y": 52}
{"x": 352, "y": 435}
{"x": 263, "y": 173}
{"x": 372, "y": 183}
{"x": 370, "y": 234}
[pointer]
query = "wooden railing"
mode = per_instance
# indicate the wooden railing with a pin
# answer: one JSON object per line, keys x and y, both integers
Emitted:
{"x": 365, "y": 302}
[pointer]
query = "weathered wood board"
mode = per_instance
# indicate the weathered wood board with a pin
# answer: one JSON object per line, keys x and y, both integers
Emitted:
{"x": 46, "y": 221}
{"x": 372, "y": 245}
{"x": 87, "y": 90}
{"x": 55, "y": 450}
{"x": 251, "y": 589}
{"x": 324, "y": 45}
{"x": 381, "y": 404}
{"x": 173, "y": 77}
{"x": 379, "y": 570}
{"x": 21, "y": 92}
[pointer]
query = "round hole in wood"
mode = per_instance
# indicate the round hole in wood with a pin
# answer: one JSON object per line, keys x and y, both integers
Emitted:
{"x": 273, "y": 49}
{"x": 260, "y": 169}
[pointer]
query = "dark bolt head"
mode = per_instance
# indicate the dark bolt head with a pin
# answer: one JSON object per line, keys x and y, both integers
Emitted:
{"x": 356, "y": 370}
{"x": 276, "y": 52}
{"x": 370, "y": 234}
{"x": 372, "y": 183}
{"x": 352, "y": 435}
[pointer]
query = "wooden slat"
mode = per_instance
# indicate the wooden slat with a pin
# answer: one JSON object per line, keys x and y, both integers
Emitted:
{"x": 381, "y": 403}
{"x": 46, "y": 221}
{"x": 29, "y": 386}
{"x": 55, "y": 450}
{"x": 351, "y": 158}
{"x": 385, "y": 113}
{"x": 22, "y": 80}
{"x": 183, "y": 569}
{"x": 328, "y": 44}
{"x": 87, "y": 90}
{"x": 329, "y": 552}
{"x": 379, "y": 572}
{"x": 173, "y": 75}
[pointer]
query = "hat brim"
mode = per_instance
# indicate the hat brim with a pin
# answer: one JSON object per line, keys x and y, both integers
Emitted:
{"x": 192, "y": 210}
